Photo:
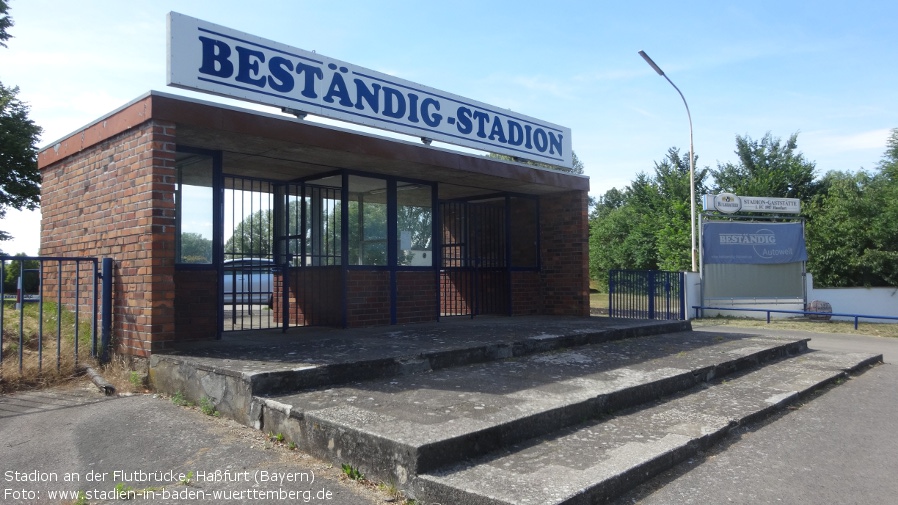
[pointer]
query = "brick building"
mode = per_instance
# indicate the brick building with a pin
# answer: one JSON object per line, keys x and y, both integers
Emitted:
{"x": 365, "y": 230}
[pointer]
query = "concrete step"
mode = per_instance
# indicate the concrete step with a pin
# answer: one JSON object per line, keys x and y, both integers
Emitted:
{"x": 233, "y": 370}
{"x": 597, "y": 460}
{"x": 394, "y": 429}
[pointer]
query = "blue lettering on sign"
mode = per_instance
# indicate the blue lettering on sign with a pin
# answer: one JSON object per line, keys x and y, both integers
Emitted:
{"x": 239, "y": 64}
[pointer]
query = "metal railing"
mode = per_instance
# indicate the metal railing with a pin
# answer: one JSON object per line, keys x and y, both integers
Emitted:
{"x": 67, "y": 298}
{"x": 802, "y": 312}
{"x": 647, "y": 294}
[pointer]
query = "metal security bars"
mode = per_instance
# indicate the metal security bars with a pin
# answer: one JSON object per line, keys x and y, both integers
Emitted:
{"x": 50, "y": 308}
{"x": 248, "y": 269}
{"x": 646, "y": 294}
{"x": 474, "y": 272}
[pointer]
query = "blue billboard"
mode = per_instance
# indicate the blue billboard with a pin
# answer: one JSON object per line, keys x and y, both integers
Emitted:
{"x": 753, "y": 243}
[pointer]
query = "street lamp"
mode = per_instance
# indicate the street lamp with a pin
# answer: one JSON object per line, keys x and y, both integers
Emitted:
{"x": 691, "y": 158}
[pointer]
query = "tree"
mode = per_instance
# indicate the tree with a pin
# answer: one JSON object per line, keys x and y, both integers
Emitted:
{"x": 5, "y": 23}
{"x": 31, "y": 283}
{"x": 851, "y": 231}
{"x": 841, "y": 232}
{"x": 767, "y": 167}
{"x": 19, "y": 176}
{"x": 252, "y": 237}
{"x": 889, "y": 163}
{"x": 195, "y": 248}
{"x": 645, "y": 226}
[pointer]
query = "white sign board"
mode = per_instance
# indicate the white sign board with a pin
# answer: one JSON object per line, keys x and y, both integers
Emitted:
{"x": 730, "y": 203}
{"x": 213, "y": 59}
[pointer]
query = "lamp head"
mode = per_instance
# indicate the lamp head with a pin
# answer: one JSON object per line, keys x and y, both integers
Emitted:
{"x": 651, "y": 63}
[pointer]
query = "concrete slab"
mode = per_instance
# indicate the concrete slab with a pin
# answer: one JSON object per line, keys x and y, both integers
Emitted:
{"x": 398, "y": 427}
{"x": 599, "y": 459}
{"x": 230, "y": 371}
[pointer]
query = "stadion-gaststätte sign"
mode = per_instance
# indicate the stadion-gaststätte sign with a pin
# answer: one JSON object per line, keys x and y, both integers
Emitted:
{"x": 210, "y": 58}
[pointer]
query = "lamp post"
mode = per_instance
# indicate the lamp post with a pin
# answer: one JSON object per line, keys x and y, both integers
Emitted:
{"x": 691, "y": 159}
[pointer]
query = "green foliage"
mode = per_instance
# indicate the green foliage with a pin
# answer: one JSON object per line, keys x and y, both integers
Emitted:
{"x": 889, "y": 163}
{"x": 187, "y": 479}
{"x": 19, "y": 176}
{"x": 207, "y": 407}
{"x": 195, "y": 248}
{"x": 851, "y": 231}
{"x": 179, "y": 400}
{"x": 135, "y": 379}
{"x": 252, "y": 237}
{"x": 645, "y": 226}
{"x": 575, "y": 168}
{"x": 352, "y": 472}
{"x": 30, "y": 283}
{"x": 5, "y": 23}
{"x": 768, "y": 167}
{"x": 125, "y": 491}
{"x": 852, "y": 238}
{"x": 82, "y": 496}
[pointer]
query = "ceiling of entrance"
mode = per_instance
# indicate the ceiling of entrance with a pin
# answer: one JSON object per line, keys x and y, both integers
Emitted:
{"x": 272, "y": 148}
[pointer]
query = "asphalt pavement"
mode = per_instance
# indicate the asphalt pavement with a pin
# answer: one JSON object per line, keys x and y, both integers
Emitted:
{"x": 145, "y": 449}
{"x": 837, "y": 447}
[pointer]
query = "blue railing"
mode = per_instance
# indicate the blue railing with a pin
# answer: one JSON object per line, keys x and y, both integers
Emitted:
{"x": 56, "y": 285}
{"x": 646, "y": 294}
{"x": 802, "y": 312}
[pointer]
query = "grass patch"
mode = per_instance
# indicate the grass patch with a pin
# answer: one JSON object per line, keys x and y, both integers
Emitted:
{"x": 847, "y": 327}
{"x": 40, "y": 344}
{"x": 598, "y": 300}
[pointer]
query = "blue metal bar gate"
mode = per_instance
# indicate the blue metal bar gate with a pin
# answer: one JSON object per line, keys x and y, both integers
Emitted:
{"x": 647, "y": 294}
{"x": 63, "y": 295}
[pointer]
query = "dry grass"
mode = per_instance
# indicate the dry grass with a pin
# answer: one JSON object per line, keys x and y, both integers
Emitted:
{"x": 847, "y": 327}
{"x": 599, "y": 301}
{"x": 39, "y": 348}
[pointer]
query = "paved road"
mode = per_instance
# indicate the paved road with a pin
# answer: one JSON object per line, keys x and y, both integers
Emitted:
{"x": 80, "y": 433}
{"x": 840, "y": 447}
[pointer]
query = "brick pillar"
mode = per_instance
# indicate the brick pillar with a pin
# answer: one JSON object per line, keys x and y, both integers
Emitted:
{"x": 564, "y": 251}
{"x": 115, "y": 199}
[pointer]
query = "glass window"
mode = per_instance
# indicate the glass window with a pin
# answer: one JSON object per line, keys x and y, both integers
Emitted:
{"x": 367, "y": 221}
{"x": 414, "y": 225}
{"x": 323, "y": 234}
{"x": 193, "y": 200}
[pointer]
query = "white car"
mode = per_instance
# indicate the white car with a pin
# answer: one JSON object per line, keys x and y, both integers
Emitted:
{"x": 248, "y": 281}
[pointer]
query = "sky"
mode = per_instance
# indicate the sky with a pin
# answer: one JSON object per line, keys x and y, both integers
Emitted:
{"x": 825, "y": 69}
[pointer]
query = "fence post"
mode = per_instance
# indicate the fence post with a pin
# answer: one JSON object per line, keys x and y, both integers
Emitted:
{"x": 651, "y": 294}
{"x": 611, "y": 293}
{"x": 285, "y": 292}
{"x": 106, "y": 302}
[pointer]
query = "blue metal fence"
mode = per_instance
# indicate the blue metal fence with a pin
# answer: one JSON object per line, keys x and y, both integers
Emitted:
{"x": 62, "y": 297}
{"x": 811, "y": 313}
{"x": 647, "y": 294}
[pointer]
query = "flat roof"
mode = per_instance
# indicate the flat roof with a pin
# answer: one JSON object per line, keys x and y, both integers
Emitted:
{"x": 281, "y": 148}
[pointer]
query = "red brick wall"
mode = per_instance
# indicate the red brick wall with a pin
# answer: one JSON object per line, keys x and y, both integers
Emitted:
{"x": 564, "y": 245}
{"x": 416, "y": 297}
{"x": 367, "y": 298}
{"x": 315, "y": 296}
{"x": 116, "y": 199}
{"x": 526, "y": 294}
{"x": 196, "y": 293}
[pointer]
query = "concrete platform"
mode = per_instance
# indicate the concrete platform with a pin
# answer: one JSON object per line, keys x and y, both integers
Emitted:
{"x": 243, "y": 364}
{"x": 402, "y": 426}
{"x": 502, "y": 410}
{"x": 598, "y": 460}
